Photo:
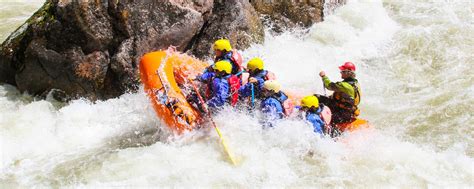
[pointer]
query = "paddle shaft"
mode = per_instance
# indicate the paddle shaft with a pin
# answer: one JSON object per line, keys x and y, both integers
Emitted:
{"x": 253, "y": 95}
{"x": 324, "y": 87}
{"x": 208, "y": 113}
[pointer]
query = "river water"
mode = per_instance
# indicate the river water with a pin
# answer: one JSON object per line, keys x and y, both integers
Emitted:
{"x": 415, "y": 64}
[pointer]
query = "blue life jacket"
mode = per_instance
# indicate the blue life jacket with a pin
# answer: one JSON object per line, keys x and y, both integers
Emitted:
{"x": 220, "y": 92}
{"x": 272, "y": 110}
{"x": 207, "y": 76}
{"x": 281, "y": 97}
{"x": 315, "y": 119}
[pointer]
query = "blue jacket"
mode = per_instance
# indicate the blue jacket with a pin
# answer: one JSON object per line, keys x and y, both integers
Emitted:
{"x": 315, "y": 120}
{"x": 207, "y": 76}
{"x": 246, "y": 90}
{"x": 280, "y": 96}
{"x": 272, "y": 110}
{"x": 220, "y": 92}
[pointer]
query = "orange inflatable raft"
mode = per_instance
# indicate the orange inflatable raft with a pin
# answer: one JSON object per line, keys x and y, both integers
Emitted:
{"x": 357, "y": 124}
{"x": 163, "y": 74}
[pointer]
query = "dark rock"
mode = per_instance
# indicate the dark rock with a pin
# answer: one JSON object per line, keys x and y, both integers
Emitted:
{"x": 124, "y": 67}
{"x": 235, "y": 20}
{"x": 13, "y": 48}
{"x": 81, "y": 23}
{"x": 7, "y": 72}
{"x": 92, "y": 48}
{"x": 40, "y": 68}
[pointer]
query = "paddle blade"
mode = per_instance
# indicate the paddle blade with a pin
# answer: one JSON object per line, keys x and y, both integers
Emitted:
{"x": 226, "y": 148}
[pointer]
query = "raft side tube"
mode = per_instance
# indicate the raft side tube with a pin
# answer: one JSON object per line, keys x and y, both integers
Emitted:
{"x": 157, "y": 73}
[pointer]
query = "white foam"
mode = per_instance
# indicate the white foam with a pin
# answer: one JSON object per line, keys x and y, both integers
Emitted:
{"x": 422, "y": 134}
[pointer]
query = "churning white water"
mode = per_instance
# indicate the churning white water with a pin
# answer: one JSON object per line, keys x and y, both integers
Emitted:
{"x": 415, "y": 65}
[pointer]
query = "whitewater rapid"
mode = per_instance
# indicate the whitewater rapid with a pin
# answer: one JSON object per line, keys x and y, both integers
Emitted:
{"x": 415, "y": 66}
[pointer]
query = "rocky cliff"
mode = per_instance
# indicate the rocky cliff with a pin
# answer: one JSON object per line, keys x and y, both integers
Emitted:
{"x": 91, "y": 48}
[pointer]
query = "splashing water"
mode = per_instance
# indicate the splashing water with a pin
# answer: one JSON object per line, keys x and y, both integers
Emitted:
{"x": 415, "y": 67}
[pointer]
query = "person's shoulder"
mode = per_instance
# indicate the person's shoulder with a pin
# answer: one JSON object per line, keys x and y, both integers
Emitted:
{"x": 311, "y": 117}
{"x": 314, "y": 116}
{"x": 311, "y": 114}
{"x": 269, "y": 100}
{"x": 343, "y": 83}
{"x": 219, "y": 80}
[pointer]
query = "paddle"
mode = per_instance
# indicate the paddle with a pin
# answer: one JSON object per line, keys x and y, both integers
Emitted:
{"x": 253, "y": 95}
{"x": 324, "y": 87}
{"x": 208, "y": 113}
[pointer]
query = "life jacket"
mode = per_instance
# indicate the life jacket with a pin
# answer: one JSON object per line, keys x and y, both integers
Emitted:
{"x": 267, "y": 75}
{"x": 286, "y": 103}
{"x": 234, "y": 86}
{"x": 325, "y": 114}
{"x": 235, "y": 59}
{"x": 346, "y": 102}
{"x": 270, "y": 76}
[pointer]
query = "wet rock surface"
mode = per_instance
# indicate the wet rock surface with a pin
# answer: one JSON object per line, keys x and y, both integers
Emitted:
{"x": 92, "y": 48}
{"x": 235, "y": 20}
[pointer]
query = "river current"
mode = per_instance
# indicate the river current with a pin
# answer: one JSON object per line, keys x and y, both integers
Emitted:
{"x": 415, "y": 64}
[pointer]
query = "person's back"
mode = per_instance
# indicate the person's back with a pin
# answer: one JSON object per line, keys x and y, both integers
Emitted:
{"x": 219, "y": 92}
{"x": 346, "y": 97}
{"x": 316, "y": 121}
{"x": 219, "y": 89}
{"x": 271, "y": 107}
{"x": 310, "y": 105}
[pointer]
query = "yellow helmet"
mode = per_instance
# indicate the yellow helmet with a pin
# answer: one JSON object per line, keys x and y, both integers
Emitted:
{"x": 222, "y": 45}
{"x": 223, "y": 66}
{"x": 272, "y": 85}
{"x": 310, "y": 101}
{"x": 255, "y": 63}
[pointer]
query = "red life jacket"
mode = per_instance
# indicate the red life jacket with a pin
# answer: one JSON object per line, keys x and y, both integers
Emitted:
{"x": 234, "y": 86}
{"x": 236, "y": 58}
{"x": 288, "y": 107}
{"x": 234, "y": 81}
{"x": 270, "y": 76}
{"x": 326, "y": 115}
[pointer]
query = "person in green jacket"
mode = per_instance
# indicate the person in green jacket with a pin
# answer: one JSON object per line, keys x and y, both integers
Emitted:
{"x": 346, "y": 97}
